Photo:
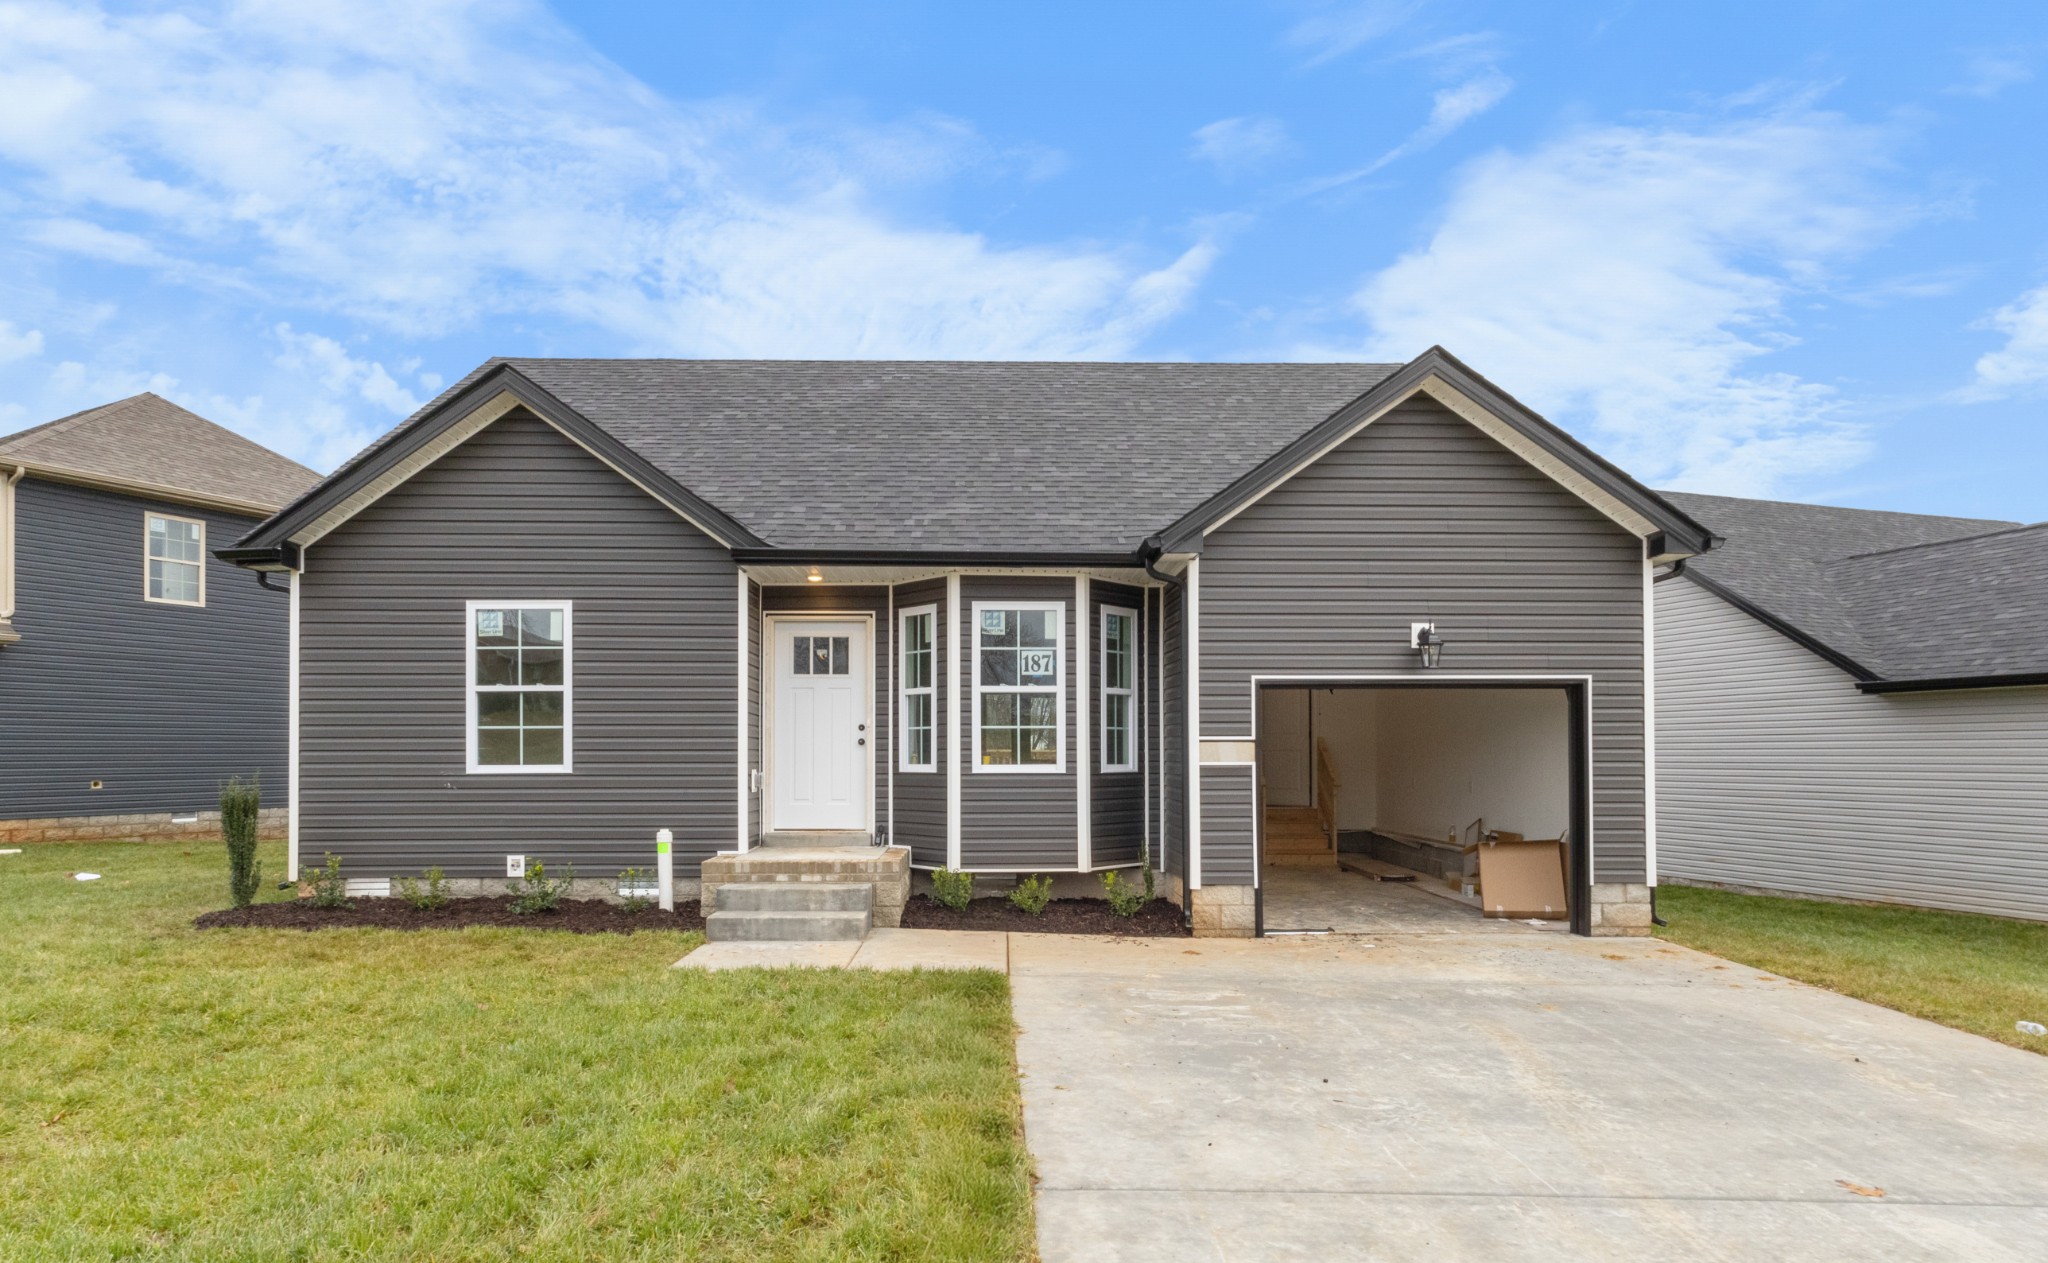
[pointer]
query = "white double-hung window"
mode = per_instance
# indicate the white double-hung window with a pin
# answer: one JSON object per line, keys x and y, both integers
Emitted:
{"x": 918, "y": 704}
{"x": 520, "y": 715}
{"x": 1119, "y": 680}
{"x": 1020, "y": 690}
{"x": 174, "y": 550}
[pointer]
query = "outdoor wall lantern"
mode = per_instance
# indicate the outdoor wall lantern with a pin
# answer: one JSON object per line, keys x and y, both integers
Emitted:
{"x": 1422, "y": 638}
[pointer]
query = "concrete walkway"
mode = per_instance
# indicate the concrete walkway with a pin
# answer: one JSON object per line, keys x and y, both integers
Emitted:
{"x": 1505, "y": 1097}
{"x": 882, "y": 949}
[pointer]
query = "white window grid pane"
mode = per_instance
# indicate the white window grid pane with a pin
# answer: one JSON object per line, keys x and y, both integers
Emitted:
{"x": 1017, "y": 742}
{"x": 919, "y": 700}
{"x": 543, "y": 740}
{"x": 1119, "y": 659}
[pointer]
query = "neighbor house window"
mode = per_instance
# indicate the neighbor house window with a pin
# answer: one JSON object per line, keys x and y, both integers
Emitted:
{"x": 519, "y": 676}
{"x": 1019, "y": 689}
{"x": 175, "y": 551}
{"x": 919, "y": 705}
{"x": 1119, "y": 674}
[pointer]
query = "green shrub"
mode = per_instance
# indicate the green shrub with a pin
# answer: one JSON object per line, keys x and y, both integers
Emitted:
{"x": 954, "y": 890}
{"x": 241, "y": 802}
{"x": 537, "y": 892}
{"x": 1032, "y": 894}
{"x": 1124, "y": 898}
{"x": 432, "y": 895}
{"x": 329, "y": 889}
{"x": 633, "y": 885}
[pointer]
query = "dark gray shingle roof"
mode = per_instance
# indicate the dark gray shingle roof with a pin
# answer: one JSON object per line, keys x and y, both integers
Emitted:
{"x": 1907, "y": 595}
{"x": 148, "y": 440}
{"x": 953, "y": 455}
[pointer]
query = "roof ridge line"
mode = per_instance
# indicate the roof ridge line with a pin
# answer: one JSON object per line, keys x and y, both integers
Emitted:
{"x": 2004, "y": 523}
{"x": 1938, "y": 543}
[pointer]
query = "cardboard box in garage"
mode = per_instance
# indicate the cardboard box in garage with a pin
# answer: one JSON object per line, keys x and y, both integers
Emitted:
{"x": 1524, "y": 880}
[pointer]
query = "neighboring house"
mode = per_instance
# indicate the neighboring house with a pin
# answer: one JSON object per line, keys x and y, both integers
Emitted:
{"x": 1855, "y": 704}
{"x": 136, "y": 671}
{"x": 955, "y": 607}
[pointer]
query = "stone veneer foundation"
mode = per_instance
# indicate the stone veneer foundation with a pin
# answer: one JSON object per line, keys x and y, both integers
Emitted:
{"x": 1225, "y": 911}
{"x": 1621, "y": 910}
{"x": 886, "y": 869}
{"x": 153, "y": 826}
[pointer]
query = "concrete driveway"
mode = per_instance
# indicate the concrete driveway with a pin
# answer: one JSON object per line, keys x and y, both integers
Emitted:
{"x": 1506, "y": 1097}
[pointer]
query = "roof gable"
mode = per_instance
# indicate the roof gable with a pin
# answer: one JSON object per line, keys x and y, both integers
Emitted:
{"x": 150, "y": 446}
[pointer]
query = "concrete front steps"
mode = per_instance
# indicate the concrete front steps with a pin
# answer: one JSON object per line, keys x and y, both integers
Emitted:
{"x": 795, "y": 893}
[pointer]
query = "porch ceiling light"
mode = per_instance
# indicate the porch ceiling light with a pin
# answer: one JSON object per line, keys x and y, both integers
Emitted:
{"x": 1423, "y": 639}
{"x": 814, "y": 576}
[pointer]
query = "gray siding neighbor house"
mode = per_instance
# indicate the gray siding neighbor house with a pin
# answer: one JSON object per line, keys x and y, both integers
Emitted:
{"x": 1854, "y": 704}
{"x": 999, "y": 617}
{"x": 137, "y": 671}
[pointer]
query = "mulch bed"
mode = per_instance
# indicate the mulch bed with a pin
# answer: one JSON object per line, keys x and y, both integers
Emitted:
{"x": 1158, "y": 919}
{"x": 578, "y": 916}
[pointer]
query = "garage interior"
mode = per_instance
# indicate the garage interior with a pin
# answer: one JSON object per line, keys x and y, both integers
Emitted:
{"x": 1437, "y": 809}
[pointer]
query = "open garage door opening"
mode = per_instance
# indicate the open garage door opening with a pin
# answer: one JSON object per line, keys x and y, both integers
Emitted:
{"x": 1437, "y": 807}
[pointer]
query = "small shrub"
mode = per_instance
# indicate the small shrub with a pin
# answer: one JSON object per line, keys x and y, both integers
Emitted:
{"x": 329, "y": 888}
{"x": 954, "y": 890}
{"x": 240, "y": 804}
{"x": 433, "y": 894}
{"x": 634, "y": 885}
{"x": 1125, "y": 898}
{"x": 537, "y": 892}
{"x": 1032, "y": 894}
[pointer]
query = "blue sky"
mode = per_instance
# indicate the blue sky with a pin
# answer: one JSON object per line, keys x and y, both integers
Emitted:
{"x": 1792, "y": 250}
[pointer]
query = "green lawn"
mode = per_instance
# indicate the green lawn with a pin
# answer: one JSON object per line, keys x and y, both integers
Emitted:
{"x": 1975, "y": 973}
{"x": 482, "y": 1094}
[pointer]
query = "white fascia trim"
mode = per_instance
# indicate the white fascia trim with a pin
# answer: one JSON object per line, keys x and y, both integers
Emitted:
{"x": 148, "y": 490}
{"x": 1649, "y": 718}
{"x": 955, "y": 705}
{"x": 904, "y": 617}
{"x": 291, "y": 788}
{"x": 1492, "y": 427}
{"x": 1059, "y": 764}
{"x": 1191, "y": 620}
{"x": 447, "y": 441}
{"x": 744, "y": 789}
{"x": 1084, "y": 840}
{"x": 568, "y": 763}
{"x": 7, "y": 484}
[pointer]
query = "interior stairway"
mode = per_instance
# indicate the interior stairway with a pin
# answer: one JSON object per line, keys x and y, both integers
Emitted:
{"x": 1295, "y": 839}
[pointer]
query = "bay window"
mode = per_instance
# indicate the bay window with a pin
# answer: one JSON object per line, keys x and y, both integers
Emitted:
{"x": 918, "y": 672}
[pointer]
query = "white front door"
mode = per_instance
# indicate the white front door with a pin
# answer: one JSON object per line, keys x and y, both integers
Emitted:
{"x": 818, "y": 766}
{"x": 1283, "y": 747}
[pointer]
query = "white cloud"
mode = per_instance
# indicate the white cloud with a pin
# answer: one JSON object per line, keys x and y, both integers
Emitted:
{"x": 1990, "y": 73}
{"x": 1337, "y": 29}
{"x": 19, "y": 345}
{"x": 2021, "y": 365}
{"x": 1626, "y": 280}
{"x": 1237, "y": 144}
{"x": 419, "y": 166}
{"x": 341, "y": 373}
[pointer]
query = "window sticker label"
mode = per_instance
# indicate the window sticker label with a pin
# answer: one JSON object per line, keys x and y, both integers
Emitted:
{"x": 490, "y": 622}
{"x": 993, "y": 622}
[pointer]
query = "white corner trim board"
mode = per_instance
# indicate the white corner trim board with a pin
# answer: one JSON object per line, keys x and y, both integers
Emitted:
{"x": 1649, "y": 718}
{"x": 955, "y": 705}
{"x": 1083, "y": 835}
{"x": 1191, "y": 617}
{"x": 291, "y": 786}
{"x": 745, "y": 788}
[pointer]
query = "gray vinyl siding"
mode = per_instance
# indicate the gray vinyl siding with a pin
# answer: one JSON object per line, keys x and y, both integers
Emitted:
{"x": 1775, "y": 772}
{"x": 1116, "y": 800}
{"x": 1027, "y": 821}
{"x": 1422, "y": 517}
{"x": 852, "y": 601}
{"x": 158, "y": 702}
{"x": 1173, "y": 734}
{"x": 517, "y": 512}
{"x": 1227, "y": 792}
{"x": 921, "y": 796}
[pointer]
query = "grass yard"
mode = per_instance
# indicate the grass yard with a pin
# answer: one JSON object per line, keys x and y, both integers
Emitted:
{"x": 480, "y": 1094}
{"x": 1975, "y": 973}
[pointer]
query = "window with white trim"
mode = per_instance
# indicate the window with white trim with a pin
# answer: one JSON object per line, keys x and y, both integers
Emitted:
{"x": 1020, "y": 690}
{"x": 519, "y": 686}
{"x": 918, "y": 706}
{"x": 175, "y": 559}
{"x": 1119, "y": 681}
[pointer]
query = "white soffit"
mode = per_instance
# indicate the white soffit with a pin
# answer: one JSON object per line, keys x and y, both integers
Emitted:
{"x": 1492, "y": 427}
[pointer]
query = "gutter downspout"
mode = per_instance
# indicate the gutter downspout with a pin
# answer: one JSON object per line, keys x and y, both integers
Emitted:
{"x": 8, "y": 553}
{"x": 1677, "y": 569}
{"x": 1148, "y": 554}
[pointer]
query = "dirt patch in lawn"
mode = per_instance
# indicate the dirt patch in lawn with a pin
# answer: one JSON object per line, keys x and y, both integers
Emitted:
{"x": 578, "y": 916}
{"x": 1158, "y": 919}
